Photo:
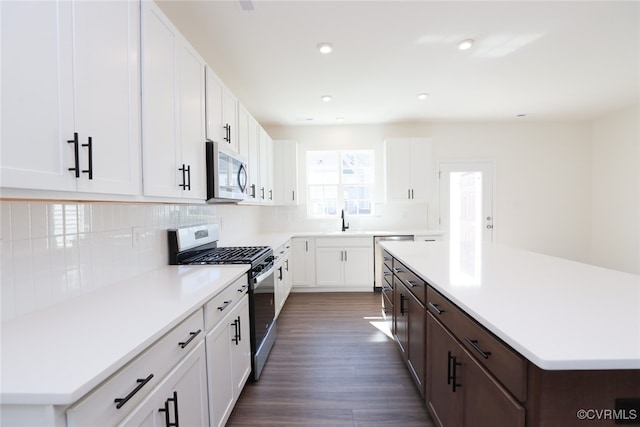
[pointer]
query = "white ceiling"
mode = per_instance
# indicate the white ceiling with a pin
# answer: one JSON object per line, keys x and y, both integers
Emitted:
{"x": 546, "y": 59}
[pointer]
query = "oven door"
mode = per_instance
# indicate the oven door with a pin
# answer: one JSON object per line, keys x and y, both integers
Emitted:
{"x": 262, "y": 314}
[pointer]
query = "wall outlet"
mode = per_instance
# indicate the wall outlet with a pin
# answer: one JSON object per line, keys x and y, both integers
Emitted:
{"x": 136, "y": 236}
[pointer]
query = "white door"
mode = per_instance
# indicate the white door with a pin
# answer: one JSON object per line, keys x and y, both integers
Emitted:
{"x": 466, "y": 200}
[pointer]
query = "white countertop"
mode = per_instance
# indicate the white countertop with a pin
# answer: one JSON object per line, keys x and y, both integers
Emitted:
{"x": 559, "y": 314}
{"x": 57, "y": 355}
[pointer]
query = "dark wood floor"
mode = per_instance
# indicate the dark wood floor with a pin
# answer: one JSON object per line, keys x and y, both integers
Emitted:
{"x": 331, "y": 366}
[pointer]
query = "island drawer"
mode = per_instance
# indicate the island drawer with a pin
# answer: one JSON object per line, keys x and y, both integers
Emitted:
{"x": 416, "y": 285}
{"x": 221, "y": 304}
{"x": 497, "y": 357}
{"x": 120, "y": 393}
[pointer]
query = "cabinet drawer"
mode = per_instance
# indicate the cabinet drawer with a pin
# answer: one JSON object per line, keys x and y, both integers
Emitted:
{"x": 507, "y": 366}
{"x": 344, "y": 242}
{"x": 415, "y": 284}
{"x": 133, "y": 382}
{"x": 221, "y": 304}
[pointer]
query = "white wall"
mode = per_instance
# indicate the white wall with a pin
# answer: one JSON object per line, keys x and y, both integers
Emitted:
{"x": 542, "y": 180}
{"x": 616, "y": 191}
{"x": 53, "y": 251}
{"x": 542, "y": 177}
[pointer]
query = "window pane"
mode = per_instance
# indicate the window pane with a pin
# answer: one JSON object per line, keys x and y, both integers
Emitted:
{"x": 322, "y": 167}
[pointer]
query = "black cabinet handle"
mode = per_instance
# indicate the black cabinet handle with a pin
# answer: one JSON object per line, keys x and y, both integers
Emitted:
{"x": 89, "y": 146}
{"x": 227, "y": 128}
{"x": 286, "y": 264}
{"x": 474, "y": 344}
{"x": 253, "y": 191}
{"x": 167, "y": 416}
{"x": 262, "y": 193}
{"x": 142, "y": 382}
{"x": 188, "y": 186}
{"x": 452, "y": 365}
{"x": 243, "y": 289}
{"x": 270, "y": 194}
{"x": 192, "y": 335}
{"x": 224, "y": 305}
{"x": 280, "y": 276}
{"x": 402, "y": 310}
{"x": 236, "y": 335}
{"x": 435, "y": 307}
{"x": 239, "y": 330}
{"x": 183, "y": 169}
{"x": 76, "y": 155}
{"x": 293, "y": 195}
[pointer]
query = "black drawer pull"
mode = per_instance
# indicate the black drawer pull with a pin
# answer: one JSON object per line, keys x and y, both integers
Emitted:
{"x": 142, "y": 382}
{"x": 243, "y": 288}
{"x": 224, "y": 305}
{"x": 474, "y": 344}
{"x": 435, "y": 307}
{"x": 192, "y": 336}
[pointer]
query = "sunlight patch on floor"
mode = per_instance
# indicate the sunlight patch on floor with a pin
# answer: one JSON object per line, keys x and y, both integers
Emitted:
{"x": 380, "y": 324}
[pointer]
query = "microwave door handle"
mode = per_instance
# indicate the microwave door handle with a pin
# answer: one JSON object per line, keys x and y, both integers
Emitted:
{"x": 242, "y": 177}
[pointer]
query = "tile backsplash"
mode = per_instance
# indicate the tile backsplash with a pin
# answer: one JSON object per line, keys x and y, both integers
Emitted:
{"x": 53, "y": 251}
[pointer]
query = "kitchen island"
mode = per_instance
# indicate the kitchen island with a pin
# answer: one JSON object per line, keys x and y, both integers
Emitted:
{"x": 564, "y": 336}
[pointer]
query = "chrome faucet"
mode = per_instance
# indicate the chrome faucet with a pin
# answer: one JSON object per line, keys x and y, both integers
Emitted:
{"x": 344, "y": 227}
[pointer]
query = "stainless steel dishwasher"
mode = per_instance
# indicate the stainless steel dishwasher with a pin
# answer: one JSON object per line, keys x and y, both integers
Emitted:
{"x": 377, "y": 257}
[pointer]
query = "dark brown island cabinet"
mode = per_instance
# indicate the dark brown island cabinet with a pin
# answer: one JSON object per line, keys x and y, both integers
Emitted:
{"x": 469, "y": 377}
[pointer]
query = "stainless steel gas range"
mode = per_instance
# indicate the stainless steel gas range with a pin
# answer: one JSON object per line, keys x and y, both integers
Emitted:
{"x": 198, "y": 245}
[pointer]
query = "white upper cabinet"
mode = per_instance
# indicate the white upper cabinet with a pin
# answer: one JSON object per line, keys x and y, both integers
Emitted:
{"x": 173, "y": 106}
{"x": 407, "y": 162}
{"x": 285, "y": 172}
{"x": 253, "y": 186}
{"x": 266, "y": 168}
{"x": 244, "y": 126}
{"x": 222, "y": 113}
{"x": 71, "y": 68}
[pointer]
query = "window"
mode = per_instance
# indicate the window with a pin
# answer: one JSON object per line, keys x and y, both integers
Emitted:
{"x": 339, "y": 180}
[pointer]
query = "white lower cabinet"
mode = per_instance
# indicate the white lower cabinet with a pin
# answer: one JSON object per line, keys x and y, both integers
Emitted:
{"x": 283, "y": 276}
{"x": 180, "y": 399}
{"x": 228, "y": 356}
{"x": 303, "y": 258}
{"x": 344, "y": 263}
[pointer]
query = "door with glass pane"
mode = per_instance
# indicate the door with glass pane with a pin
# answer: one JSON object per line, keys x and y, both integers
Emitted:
{"x": 466, "y": 201}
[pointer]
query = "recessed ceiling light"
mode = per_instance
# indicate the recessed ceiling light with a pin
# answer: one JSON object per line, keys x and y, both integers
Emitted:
{"x": 422, "y": 96}
{"x": 325, "y": 48}
{"x": 326, "y": 98}
{"x": 465, "y": 44}
{"x": 339, "y": 119}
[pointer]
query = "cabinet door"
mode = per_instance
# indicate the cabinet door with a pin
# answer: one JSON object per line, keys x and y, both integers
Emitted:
{"x": 329, "y": 266}
{"x": 420, "y": 161}
{"x": 106, "y": 72}
{"x": 37, "y": 95}
{"x": 241, "y": 349}
{"x": 486, "y": 403}
{"x": 192, "y": 121}
{"x": 398, "y": 169}
{"x": 183, "y": 393}
{"x": 230, "y": 119}
{"x": 253, "y": 186}
{"x": 215, "y": 127}
{"x": 358, "y": 267}
{"x": 303, "y": 262}
{"x": 159, "y": 97}
{"x": 400, "y": 316}
{"x": 444, "y": 402}
{"x": 285, "y": 172}
{"x": 220, "y": 376}
{"x": 266, "y": 168}
{"x": 416, "y": 333}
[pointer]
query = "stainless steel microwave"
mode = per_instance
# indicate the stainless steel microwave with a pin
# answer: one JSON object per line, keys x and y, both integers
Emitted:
{"x": 226, "y": 174}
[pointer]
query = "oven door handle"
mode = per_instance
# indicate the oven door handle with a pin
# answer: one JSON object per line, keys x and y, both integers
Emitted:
{"x": 263, "y": 275}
